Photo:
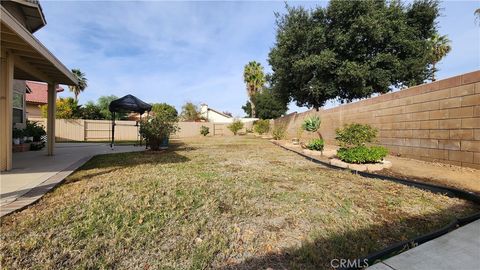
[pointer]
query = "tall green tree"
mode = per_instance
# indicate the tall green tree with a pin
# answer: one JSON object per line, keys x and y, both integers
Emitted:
{"x": 103, "y": 102}
{"x": 477, "y": 15}
{"x": 91, "y": 111}
{"x": 440, "y": 47}
{"x": 66, "y": 108}
{"x": 268, "y": 106}
{"x": 82, "y": 82}
{"x": 190, "y": 112}
{"x": 351, "y": 49}
{"x": 166, "y": 110}
{"x": 254, "y": 78}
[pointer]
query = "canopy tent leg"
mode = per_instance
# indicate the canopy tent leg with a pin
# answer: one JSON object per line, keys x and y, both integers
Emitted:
{"x": 112, "y": 144}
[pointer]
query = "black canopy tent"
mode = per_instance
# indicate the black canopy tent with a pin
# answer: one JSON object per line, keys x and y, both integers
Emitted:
{"x": 127, "y": 103}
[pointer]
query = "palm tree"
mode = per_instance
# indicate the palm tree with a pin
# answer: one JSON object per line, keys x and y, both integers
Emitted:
{"x": 254, "y": 78}
{"x": 82, "y": 83}
{"x": 477, "y": 15}
{"x": 440, "y": 47}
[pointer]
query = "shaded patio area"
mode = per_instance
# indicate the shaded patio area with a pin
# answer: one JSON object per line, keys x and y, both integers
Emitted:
{"x": 34, "y": 173}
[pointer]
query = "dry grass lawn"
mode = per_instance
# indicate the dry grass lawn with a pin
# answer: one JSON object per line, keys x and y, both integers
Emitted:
{"x": 234, "y": 202}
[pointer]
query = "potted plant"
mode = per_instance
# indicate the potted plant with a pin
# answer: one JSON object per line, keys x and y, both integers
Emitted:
{"x": 17, "y": 134}
{"x": 36, "y": 131}
{"x": 157, "y": 130}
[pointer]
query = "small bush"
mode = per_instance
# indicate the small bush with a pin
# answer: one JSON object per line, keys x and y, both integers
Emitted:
{"x": 204, "y": 130}
{"x": 316, "y": 145}
{"x": 362, "y": 154}
{"x": 262, "y": 126}
{"x": 278, "y": 132}
{"x": 311, "y": 124}
{"x": 235, "y": 126}
{"x": 155, "y": 130}
{"x": 33, "y": 129}
{"x": 354, "y": 135}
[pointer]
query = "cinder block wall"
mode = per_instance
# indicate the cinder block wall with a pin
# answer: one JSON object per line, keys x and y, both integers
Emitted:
{"x": 437, "y": 121}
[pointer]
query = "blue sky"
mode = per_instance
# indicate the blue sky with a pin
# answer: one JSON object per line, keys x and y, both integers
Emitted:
{"x": 195, "y": 51}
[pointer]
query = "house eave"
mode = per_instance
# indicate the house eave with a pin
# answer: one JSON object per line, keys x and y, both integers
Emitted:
{"x": 33, "y": 60}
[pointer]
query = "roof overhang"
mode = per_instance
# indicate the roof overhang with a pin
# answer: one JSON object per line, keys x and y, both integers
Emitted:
{"x": 32, "y": 60}
{"x": 33, "y": 14}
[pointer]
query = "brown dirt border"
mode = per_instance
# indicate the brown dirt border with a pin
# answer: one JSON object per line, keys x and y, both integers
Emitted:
{"x": 402, "y": 246}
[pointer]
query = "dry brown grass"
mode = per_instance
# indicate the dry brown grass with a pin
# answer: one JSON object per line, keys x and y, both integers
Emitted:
{"x": 234, "y": 202}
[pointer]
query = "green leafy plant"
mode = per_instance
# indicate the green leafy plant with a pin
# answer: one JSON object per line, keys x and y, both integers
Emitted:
{"x": 17, "y": 133}
{"x": 279, "y": 132}
{"x": 157, "y": 129}
{"x": 33, "y": 129}
{"x": 362, "y": 154}
{"x": 312, "y": 124}
{"x": 316, "y": 145}
{"x": 204, "y": 130}
{"x": 353, "y": 135}
{"x": 261, "y": 126}
{"x": 353, "y": 138}
{"x": 164, "y": 108}
{"x": 235, "y": 126}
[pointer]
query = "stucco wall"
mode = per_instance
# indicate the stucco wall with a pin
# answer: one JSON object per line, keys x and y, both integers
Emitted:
{"x": 437, "y": 121}
{"x": 33, "y": 111}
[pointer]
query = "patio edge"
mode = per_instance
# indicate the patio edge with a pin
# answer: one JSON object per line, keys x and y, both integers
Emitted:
{"x": 37, "y": 192}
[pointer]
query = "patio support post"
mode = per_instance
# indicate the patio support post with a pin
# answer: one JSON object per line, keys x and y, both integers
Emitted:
{"x": 52, "y": 98}
{"x": 6, "y": 109}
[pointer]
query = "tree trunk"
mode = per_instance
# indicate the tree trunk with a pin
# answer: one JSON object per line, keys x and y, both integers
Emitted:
{"x": 319, "y": 134}
{"x": 253, "y": 108}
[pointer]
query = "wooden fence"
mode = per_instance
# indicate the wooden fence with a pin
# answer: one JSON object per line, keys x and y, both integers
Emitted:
{"x": 67, "y": 130}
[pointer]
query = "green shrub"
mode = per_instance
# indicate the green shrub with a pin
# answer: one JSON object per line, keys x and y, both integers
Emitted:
{"x": 204, "y": 130}
{"x": 235, "y": 126}
{"x": 353, "y": 135}
{"x": 262, "y": 126}
{"x": 33, "y": 129}
{"x": 316, "y": 145}
{"x": 278, "y": 132}
{"x": 156, "y": 129}
{"x": 17, "y": 133}
{"x": 311, "y": 124}
{"x": 362, "y": 154}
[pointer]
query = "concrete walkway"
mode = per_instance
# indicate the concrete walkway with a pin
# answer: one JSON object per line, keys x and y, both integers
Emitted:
{"x": 34, "y": 173}
{"x": 459, "y": 249}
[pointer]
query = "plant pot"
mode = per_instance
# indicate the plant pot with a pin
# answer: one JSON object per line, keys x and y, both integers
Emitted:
{"x": 35, "y": 146}
{"x": 30, "y": 138}
{"x": 164, "y": 144}
{"x": 16, "y": 141}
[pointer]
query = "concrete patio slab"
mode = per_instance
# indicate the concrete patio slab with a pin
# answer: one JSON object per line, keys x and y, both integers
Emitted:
{"x": 34, "y": 173}
{"x": 459, "y": 249}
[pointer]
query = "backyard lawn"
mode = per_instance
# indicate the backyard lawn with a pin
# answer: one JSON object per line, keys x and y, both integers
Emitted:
{"x": 230, "y": 202}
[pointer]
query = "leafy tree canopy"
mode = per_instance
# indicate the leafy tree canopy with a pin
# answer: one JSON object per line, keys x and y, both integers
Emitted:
{"x": 103, "y": 102}
{"x": 165, "y": 109}
{"x": 190, "y": 112}
{"x": 91, "y": 111}
{"x": 66, "y": 108}
{"x": 267, "y": 105}
{"x": 351, "y": 49}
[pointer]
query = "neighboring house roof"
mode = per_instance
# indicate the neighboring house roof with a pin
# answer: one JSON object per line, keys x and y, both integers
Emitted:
{"x": 228, "y": 116}
{"x": 37, "y": 92}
